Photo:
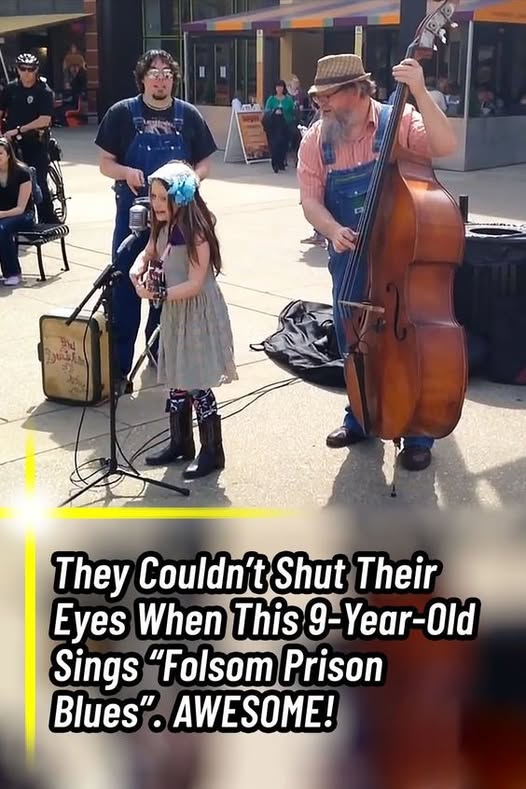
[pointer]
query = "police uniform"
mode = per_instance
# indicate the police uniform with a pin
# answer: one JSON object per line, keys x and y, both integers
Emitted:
{"x": 22, "y": 105}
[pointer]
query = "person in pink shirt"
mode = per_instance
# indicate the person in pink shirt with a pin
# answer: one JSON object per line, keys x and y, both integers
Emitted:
{"x": 335, "y": 165}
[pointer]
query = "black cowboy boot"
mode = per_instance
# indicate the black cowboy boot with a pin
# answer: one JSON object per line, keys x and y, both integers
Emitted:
{"x": 181, "y": 446}
{"x": 211, "y": 457}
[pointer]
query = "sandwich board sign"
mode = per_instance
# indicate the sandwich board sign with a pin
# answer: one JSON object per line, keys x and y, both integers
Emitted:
{"x": 246, "y": 139}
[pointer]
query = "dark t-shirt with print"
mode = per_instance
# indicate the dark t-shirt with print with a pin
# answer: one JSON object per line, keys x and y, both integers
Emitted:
{"x": 9, "y": 193}
{"x": 117, "y": 130}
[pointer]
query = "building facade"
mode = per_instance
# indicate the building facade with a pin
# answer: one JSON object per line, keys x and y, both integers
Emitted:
{"x": 224, "y": 45}
{"x": 480, "y": 70}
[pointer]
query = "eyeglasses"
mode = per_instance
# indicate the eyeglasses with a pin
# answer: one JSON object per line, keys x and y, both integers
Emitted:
{"x": 158, "y": 73}
{"x": 26, "y": 68}
{"x": 323, "y": 97}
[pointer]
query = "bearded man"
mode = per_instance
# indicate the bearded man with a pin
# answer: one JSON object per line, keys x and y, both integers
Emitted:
{"x": 335, "y": 165}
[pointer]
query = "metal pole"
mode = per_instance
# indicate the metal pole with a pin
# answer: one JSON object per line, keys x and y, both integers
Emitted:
{"x": 260, "y": 67}
{"x": 358, "y": 41}
{"x": 186, "y": 66}
{"x": 3, "y": 65}
{"x": 469, "y": 69}
{"x": 412, "y": 12}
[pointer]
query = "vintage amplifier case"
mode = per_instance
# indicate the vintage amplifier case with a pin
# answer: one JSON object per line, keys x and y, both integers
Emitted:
{"x": 74, "y": 358}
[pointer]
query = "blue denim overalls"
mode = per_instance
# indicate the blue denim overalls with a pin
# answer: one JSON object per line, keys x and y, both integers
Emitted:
{"x": 345, "y": 193}
{"x": 147, "y": 152}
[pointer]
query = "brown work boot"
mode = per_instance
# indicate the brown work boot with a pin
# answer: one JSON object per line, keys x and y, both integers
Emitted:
{"x": 415, "y": 458}
{"x": 344, "y": 437}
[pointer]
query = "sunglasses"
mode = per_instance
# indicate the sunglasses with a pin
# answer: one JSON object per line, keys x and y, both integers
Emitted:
{"x": 26, "y": 68}
{"x": 158, "y": 73}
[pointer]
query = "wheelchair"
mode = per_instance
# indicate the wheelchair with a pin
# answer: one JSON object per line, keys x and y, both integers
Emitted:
{"x": 55, "y": 181}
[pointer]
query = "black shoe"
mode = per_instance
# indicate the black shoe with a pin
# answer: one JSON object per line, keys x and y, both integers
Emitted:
{"x": 211, "y": 457}
{"x": 344, "y": 437}
{"x": 181, "y": 446}
{"x": 415, "y": 458}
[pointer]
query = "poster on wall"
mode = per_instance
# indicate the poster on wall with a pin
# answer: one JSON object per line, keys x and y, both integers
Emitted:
{"x": 247, "y": 140}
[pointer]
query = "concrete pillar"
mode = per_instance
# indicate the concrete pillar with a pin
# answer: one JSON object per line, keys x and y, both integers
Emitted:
{"x": 118, "y": 53}
{"x": 286, "y": 55}
{"x": 412, "y": 12}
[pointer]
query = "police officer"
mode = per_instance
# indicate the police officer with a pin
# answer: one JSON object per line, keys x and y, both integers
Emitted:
{"x": 136, "y": 137}
{"x": 26, "y": 109}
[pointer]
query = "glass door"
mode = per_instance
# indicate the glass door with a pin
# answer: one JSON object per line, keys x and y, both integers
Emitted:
{"x": 223, "y": 71}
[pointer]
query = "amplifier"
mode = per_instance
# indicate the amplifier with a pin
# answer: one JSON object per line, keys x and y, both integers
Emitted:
{"x": 74, "y": 358}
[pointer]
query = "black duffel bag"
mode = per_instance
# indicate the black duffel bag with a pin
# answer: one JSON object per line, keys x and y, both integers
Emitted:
{"x": 305, "y": 344}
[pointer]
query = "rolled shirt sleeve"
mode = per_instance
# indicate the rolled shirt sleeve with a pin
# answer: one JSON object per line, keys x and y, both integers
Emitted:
{"x": 311, "y": 171}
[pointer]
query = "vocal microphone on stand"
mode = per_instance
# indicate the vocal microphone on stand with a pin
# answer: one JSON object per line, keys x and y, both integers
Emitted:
{"x": 138, "y": 222}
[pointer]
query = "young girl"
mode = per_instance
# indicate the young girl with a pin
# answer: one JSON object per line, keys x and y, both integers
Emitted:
{"x": 196, "y": 346}
{"x": 16, "y": 210}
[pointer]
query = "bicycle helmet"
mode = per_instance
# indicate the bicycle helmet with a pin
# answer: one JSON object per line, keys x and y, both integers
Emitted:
{"x": 27, "y": 59}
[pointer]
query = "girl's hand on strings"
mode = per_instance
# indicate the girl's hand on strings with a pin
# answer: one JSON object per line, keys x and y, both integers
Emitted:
{"x": 142, "y": 291}
{"x": 344, "y": 239}
{"x": 138, "y": 269}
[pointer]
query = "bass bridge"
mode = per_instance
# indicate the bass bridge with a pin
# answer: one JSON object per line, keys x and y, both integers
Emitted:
{"x": 367, "y": 306}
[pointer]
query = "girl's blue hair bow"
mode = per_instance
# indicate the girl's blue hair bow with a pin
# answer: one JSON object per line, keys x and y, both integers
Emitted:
{"x": 183, "y": 189}
{"x": 181, "y": 180}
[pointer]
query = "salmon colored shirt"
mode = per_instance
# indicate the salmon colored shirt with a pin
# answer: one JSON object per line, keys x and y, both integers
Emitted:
{"x": 312, "y": 171}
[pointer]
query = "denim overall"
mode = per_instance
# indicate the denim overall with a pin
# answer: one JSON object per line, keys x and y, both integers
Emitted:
{"x": 345, "y": 193}
{"x": 147, "y": 152}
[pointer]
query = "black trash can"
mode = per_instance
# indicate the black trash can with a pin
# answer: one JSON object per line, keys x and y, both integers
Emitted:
{"x": 490, "y": 297}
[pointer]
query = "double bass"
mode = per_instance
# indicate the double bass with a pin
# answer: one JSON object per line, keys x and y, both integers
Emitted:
{"x": 406, "y": 367}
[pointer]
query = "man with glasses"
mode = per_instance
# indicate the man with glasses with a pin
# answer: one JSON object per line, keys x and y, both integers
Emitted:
{"x": 336, "y": 162}
{"x": 136, "y": 137}
{"x": 26, "y": 109}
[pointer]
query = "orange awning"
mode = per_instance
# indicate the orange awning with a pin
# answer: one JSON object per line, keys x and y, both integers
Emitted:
{"x": 319, "y": 14}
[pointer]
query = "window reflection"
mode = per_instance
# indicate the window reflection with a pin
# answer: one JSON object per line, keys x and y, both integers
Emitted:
{"x": 445, "y": 72}
{"x": 498, "y": 78}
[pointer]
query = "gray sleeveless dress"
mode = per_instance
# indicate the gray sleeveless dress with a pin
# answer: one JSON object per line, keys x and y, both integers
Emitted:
{"x": 196, "y": 347}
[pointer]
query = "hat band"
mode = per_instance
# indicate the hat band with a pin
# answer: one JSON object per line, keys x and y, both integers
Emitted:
{"x": 337, "y": 79}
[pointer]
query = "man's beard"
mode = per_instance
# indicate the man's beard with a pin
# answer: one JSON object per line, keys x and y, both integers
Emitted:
{"x": 335, "y": 129}
{"x": 160, "y": 94}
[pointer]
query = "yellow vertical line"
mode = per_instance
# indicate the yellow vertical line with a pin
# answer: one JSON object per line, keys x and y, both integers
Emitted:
{"x": 30, "y": 609}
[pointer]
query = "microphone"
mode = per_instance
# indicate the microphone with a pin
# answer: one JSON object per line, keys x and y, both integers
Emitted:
{"x": 138, "y": 218}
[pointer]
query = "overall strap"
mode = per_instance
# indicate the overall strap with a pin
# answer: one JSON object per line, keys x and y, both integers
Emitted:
{"x": 383, "y": 120}
{"x": 178, "y": 115}
{"x": 327, "y": 152}
{"x": 135, "y": 110}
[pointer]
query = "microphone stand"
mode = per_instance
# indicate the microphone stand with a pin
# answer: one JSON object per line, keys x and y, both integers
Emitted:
{"x": 106, "y": 281}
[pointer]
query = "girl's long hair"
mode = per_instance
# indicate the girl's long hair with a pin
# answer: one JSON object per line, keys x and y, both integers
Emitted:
{"x": 197, "y": 224}
{"x": 13, "y": 164}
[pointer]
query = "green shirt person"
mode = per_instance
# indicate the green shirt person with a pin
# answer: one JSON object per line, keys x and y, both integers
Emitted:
{"x": 281, "y": 99}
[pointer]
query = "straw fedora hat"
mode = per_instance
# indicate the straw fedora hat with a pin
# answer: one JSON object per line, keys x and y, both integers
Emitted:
{"x": 335, "y": 71}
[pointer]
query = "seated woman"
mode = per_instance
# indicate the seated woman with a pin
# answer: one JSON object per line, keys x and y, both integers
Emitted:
{"x": 17, "y": 212}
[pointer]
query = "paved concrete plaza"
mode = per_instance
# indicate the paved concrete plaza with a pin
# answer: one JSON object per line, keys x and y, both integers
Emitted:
{"x": 275, "y": 448}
